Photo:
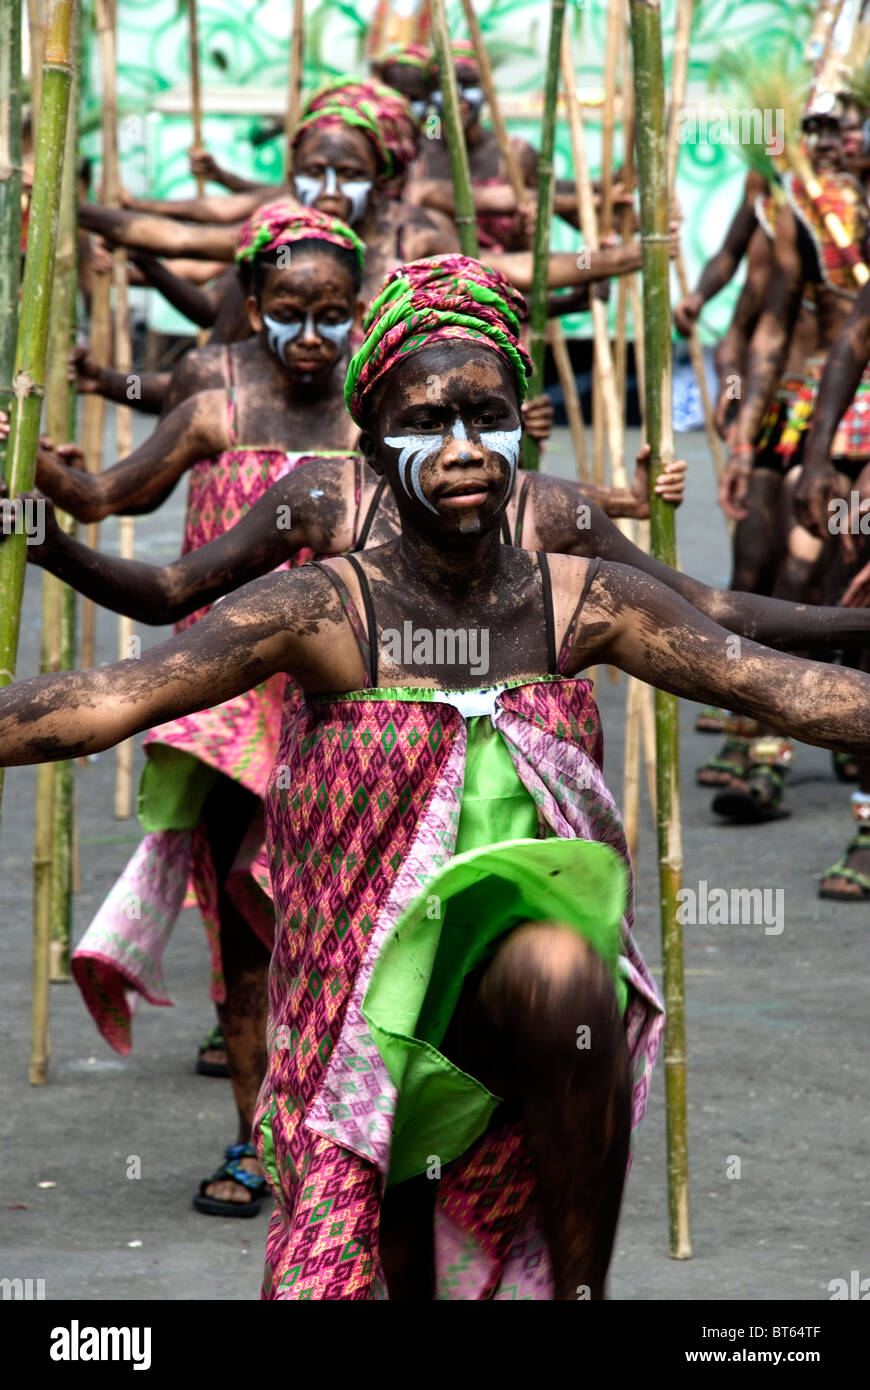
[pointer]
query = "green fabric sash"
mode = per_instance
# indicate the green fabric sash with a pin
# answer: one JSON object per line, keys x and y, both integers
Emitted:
{"x": 500, "y": 877}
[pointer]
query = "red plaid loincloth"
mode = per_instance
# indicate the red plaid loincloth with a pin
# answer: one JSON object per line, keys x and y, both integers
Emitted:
{"x": 852, "y": 437}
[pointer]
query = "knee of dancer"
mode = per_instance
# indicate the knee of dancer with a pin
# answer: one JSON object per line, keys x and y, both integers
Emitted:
{"x": 550, "y": 990}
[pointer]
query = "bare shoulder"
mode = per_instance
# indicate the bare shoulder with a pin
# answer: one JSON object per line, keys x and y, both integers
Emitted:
{"x": 200, "y": 369}
{"x": 558, "y": 516}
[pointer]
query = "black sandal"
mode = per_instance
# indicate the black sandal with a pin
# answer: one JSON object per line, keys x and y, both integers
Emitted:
{"x": 230, "y": 1169}
{"x": 213, "y": 1040}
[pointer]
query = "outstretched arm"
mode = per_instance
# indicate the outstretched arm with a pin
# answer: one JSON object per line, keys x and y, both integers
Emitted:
{"x": 564, "y": 268}
{"x": 197, "y": 304}
{"x": 145, "y": 391}
{"x": 285, "y": 519}
{"x": 235, "y": 647}
{"x": 564, "y": 528}
{"x": 653, "y": 634}
{"x": 220, "y": 207}
{"x": 196, "y": 429}
{"x": 163, "y": 236}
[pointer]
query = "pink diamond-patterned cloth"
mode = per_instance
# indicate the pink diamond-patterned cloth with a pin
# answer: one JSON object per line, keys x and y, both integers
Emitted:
{"x": 120, "y": 955}
{"x": 368, "y": 812}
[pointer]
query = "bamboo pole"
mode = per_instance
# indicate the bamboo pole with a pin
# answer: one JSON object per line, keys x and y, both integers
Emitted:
{"x": 679, "y": 76}
{"x": 30, "y": 351}
{"x": 463, "y": 199}
{"x": 36, "y": 25}
{"x": 123, "y": 361}
{"x": 557, "y": 338}
{"x": 294, "y": 80}
{"x": 652, "y": 171}
{"x": 613, "y": 417}
{"x": 611, "y": 50}
{"x": 623, "y": 293}
{"x": 10, "y": 200}
{"x": 94, "y": 413}
{"x": 28, "y": 388}
{"x": 573, "y": 409}
{"x": 543, "y": 223}
{"x": 10, "y": 206}
{"x": 55, "y": 780}
{"x": 195, "y": 90}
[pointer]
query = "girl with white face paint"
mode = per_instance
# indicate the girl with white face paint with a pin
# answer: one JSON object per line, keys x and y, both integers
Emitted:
{"x": 281, "y": 398}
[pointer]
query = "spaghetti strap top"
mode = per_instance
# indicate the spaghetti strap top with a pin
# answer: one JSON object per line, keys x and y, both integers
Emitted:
{"x": 366, "y": 633}
{"x": 521, "y": 512}
{"x": 370, "y": 515}
{"x": 571, "y": 630}
{"x": 232, "y": 397}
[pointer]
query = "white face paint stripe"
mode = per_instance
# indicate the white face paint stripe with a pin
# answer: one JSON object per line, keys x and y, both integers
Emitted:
{"x": 506, "y": 443}
{"x": 309, "y": 189}
{"x": 415, "y": 451}
{"x": 280, "y": 334}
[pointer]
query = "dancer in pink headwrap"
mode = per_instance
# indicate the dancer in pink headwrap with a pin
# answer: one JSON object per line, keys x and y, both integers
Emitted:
{"x": 201, "y": 794}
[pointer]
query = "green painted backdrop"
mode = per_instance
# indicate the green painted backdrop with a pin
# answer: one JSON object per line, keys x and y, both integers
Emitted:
{"x": 244, "y": 46}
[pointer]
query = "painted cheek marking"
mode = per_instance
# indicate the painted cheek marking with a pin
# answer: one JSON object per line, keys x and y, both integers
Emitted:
{"x": 358, "y": 192}
{"x": 414, "y": 452}
{"x": 337, "y": 333}
{"x": 308, "y": 190}
{"x": 506, "y": 443}
{"x": 280, "y": 334}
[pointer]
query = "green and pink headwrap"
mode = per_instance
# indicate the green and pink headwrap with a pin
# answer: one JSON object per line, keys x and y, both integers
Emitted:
{"x": 407, "y": 55}
{"x": 348, "y": 107}
{"x": 429, "y": 301}
{"x": 282, "y": 223}
{"x": 397, "y": 126}
{"x": 464, "y": 56}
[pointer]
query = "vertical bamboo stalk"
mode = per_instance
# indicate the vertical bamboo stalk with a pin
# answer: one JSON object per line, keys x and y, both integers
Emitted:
{"x": 30, "y": 351}
{"x": 123, "y": 361}
{"x": 541, "y": 249}
{"x": 631, "y": 765}
{"x": 652, "y": 169}
{"x": 463, "y": 198}
{"x": 94, "y": 411}
{"x": 625, "y": 281}
{"x": 10, "y": 205}
{"x": 195, "y": 90}
{"x": 613, "y": 417}
{"x": 28, "y": 390}
{"x": 679, "y": 77}
{"x": 487, "y": 81}
{"x": 515, "y": 178}
{"x": 10, "y": 199}
{"x": 615, "y": 21}
{"x": 573, "y": 410}
{"x": 36, "y": 25}
{"x": 294, "y": 80}
{"x": 55, "y": 780}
